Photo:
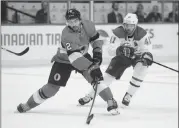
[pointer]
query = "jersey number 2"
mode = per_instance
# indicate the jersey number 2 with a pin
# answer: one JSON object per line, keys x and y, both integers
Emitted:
{"x": 68, "y": 46}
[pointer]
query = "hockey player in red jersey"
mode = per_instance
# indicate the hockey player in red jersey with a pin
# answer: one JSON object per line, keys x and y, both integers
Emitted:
{"x": 73, "y": 55}
{"x": 132, "y": 46}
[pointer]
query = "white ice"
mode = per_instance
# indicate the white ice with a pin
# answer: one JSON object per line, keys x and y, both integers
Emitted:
{"x": 155, "y": 105}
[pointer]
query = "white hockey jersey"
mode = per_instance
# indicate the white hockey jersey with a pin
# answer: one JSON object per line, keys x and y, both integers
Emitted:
{"x": 139, "y": 40}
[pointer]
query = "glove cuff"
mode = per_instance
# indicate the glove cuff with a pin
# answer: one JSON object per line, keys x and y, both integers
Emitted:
{"x": 97, "y": 57}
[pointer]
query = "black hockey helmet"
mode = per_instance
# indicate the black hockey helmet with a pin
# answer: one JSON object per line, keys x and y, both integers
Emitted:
{"x": 72, "y": 13}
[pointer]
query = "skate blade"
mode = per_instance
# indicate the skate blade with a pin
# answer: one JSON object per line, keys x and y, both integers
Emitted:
{"x": 115, "y": 112}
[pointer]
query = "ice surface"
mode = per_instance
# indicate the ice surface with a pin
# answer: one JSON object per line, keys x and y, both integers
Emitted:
{"x": 155, "y": 105}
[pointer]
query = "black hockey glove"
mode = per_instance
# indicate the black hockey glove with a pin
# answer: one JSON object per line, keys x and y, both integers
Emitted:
{"x": 147, "y": 58}
{"x": 95, "y": 73}
{"x": 97, "y": 57}
{"x": 125, "y": 51}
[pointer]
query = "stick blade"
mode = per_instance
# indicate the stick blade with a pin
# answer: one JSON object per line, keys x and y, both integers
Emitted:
{"x": 89, "y": 119}
{"x": 23, "y": 52}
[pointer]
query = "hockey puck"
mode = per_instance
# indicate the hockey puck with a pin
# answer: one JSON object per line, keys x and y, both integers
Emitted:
{"x": 89, "y": 119}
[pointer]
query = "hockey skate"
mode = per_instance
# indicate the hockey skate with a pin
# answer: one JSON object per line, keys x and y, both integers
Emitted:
{"x": 112, "y": 107}
{"x": 85, "y": 100}
{"x": 126, "y": 100}
{"x": 22, "y": 108}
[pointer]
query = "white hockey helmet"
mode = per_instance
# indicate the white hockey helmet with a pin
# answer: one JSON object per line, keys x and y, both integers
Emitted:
{"x": 130, "y": 18}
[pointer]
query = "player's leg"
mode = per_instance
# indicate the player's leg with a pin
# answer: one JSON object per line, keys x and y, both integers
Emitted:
{"x": 115, "y": 70}
{"x": 89, "y": 96}
{"x": 105, "y": 93}
{"x": 59, "y": 76}
{"x": 102, "y": 90}
{"x": 139, "y": 74}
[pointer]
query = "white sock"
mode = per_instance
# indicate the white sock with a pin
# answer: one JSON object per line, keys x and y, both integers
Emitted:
{"x": 103, "y": 84}
{"x": 132, "y": 90}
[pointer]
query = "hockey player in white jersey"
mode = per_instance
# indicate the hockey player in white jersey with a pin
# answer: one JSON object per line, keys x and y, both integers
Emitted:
{"x": 133, "y": 49}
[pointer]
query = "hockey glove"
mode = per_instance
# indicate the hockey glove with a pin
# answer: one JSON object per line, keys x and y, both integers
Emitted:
{"x": 147, "y": 58}
{"x": 97, "y": 57}
{"x": 95, "y": 73}
{"x": 125, "y": 51}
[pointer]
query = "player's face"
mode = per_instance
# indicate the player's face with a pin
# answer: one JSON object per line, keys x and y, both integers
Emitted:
{"x": 74, "y": 24}
{"x": 129, "y": 28}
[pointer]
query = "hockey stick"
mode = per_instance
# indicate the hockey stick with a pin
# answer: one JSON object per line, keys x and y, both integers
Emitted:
{"x": 165, "y": 66}
{"x": 90, "y": 116}
{"x": 18, "y": 54}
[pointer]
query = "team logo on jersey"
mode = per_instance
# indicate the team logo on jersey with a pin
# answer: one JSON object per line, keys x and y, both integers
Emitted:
{"x": 57, "y": 77}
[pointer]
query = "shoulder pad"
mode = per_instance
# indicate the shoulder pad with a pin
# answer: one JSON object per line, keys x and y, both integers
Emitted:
{"x": 139, "y": 33}
{"x": 89, "y": 27}
{"x": 119, "y": 32}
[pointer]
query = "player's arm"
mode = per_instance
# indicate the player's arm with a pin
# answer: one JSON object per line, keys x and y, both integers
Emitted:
{"x": 145, "y": 50}
{"x": 96, "y": 39}
{"x": 81, "y": 63}
{"x": 96, "y": 42}
{"x": 118, "y": 46}
{"x": 75, "y": 56}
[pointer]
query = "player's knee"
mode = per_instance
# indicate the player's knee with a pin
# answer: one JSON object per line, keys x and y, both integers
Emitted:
{"x": 49, "y": 90}
{"x": 118, "y": 65}
{"x": 108, "y": 79}
{"x": 140, "y": 70}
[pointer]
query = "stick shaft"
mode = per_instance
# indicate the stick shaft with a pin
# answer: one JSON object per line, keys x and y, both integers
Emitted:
{"x": 89, "y": 114}
{"x": 165, "y": 66}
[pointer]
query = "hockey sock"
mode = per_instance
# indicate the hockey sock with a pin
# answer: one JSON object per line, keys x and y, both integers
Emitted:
{"x": 138, "y": 76}
{"x": 132, "y": 89}
{"x": 134, "y": 85}
{"x": 91, "y": 93}
{"x": 106, "y": 94}
{"x": 36, "y": 99}
{"x": 42, "y": 94}
{"x": 108, "y": 79}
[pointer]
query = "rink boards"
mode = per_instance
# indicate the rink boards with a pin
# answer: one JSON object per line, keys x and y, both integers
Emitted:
{"x": 45, "y": 39}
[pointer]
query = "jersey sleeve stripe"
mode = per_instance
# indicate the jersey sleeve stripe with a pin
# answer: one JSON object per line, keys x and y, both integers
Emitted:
{"x": 74, "y": 56}
{"x": 79, "y": 61}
